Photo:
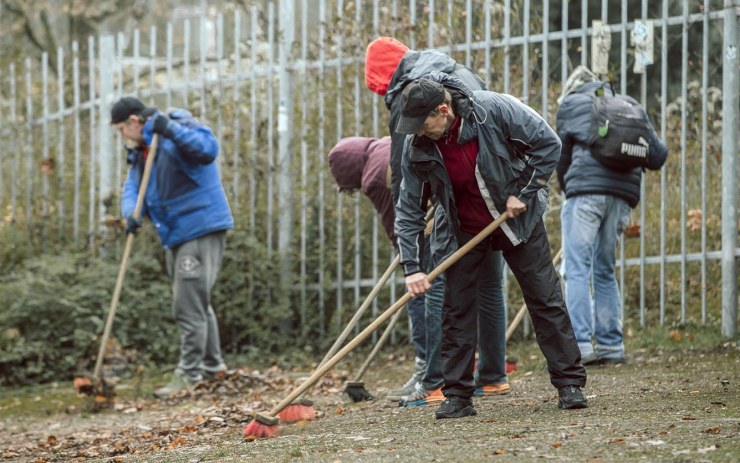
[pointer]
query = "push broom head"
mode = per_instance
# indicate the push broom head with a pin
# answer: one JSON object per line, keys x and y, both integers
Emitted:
{"x": 357, "y": 392}
{"x": 300, "y": 410}
{"x": 263, "y": 425}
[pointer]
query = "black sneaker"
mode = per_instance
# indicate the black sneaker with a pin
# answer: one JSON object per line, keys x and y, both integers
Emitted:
{"x": 455, "y": 407}
{"x": 571, "y": 397}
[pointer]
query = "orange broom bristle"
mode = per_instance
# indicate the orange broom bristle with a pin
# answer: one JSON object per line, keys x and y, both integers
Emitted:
{"x": 298, "y": 411}
{"x": 262, "y": 426}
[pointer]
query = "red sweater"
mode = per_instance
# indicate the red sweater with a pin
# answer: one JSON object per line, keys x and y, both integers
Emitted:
{"x": 460, "y": 161}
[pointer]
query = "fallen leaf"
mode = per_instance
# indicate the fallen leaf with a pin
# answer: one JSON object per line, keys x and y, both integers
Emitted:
{"x": 715, "y": 430}
{"x": 676, "y": 336}
{"x": 498, "y": 452}
{"x": 556, "y": 444}
{"x": 51, "y": 440}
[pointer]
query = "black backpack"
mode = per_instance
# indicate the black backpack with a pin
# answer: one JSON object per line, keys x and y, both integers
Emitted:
{"x": 619, "y": 137}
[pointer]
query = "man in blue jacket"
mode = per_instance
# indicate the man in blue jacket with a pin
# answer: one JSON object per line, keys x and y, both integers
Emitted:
{"x": 596, "y": 211}
{"x": 186, "y": 202}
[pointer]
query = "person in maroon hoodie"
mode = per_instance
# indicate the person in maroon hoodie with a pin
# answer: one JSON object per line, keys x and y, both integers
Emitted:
{"x": 361, "y": 163}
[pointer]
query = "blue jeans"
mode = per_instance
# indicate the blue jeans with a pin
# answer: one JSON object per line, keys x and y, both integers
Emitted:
{"x": 591, "y": 225}
{"x": 417, "y": 307}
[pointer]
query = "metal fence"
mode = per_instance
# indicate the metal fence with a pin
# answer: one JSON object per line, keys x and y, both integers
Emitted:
{"x": 281, "y": 86}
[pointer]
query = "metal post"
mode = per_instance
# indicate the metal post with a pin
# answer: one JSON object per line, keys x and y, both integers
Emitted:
{"x": 105, "y": 148}
{"x": 285, "y": 142}
{"x": 730, "y": 81}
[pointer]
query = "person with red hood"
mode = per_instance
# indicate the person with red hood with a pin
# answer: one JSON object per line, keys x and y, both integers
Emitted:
{"x": 389, "y": 66}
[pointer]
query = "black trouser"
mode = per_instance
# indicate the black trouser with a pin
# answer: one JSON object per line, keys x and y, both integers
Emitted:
{"x": 532, "y": 266}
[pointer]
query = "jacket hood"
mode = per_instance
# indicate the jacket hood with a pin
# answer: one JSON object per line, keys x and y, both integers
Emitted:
{"x": 381, "y": 61}
{"x": 416, "y": 64}
{"x": 347, "y": 161}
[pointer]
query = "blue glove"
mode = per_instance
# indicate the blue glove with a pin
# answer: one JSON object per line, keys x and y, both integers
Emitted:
{"x": 132, "y": 225}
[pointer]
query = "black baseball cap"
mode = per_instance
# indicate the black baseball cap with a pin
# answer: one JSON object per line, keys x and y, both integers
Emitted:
{"x": 125, "y": 107}
{"x": 418, "y": 99}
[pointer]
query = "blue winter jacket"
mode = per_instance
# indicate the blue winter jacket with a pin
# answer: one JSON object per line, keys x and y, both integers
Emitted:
{"x": 579, "y": 173}
{"x": 185, "y": 198}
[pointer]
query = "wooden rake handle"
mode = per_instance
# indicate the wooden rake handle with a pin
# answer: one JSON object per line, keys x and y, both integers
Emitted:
{"x": 385, "y": 316}
{"x": 124, "y": 259}
{"x": 368, "y": 300}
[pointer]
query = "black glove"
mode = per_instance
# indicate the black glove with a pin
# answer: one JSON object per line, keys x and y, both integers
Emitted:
{"x": 160, "y": 123}
{"x": 132, "y": 225}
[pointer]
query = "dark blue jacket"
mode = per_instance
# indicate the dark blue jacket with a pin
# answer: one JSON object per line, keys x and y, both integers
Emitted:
{"x": 579, "y": 173}
{"x": 185, "y": 198}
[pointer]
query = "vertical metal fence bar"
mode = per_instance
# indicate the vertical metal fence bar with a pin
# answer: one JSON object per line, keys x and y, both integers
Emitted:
{"x": 358, "y": 129}
{"x": 450, "y": 29}
{"x": 376, "y": 120}
{"x": 730, "y": 79}
{"x": 186, "y": 63}
{"x": 430, "y": 25}
{"x": 684, "y": 106}
{"x": 322, "y": 150}
{"x": 44, "y": 147}
{"x": 468, "y": 32}
{"x": 704, "y": 138}
{"x": 304, "y": 165}
{"x": 137, "y": 53}
{"x": 235, "y": 97}
{"x": 29, "y": 147}
{"x": 152, "y": 64}
{"x": 394, "y": 19}
{"x": 545, "y": 56}
{"x": 253, "y": 125}
{"x": 564, "y": 56}
{"x": 77, "y": 141}
{"x": 487, "y": 50}
{"x": 412, "y": 23}
{"x": 663, "y": 173}
{"x": 14, "y": 143}
{"x": 339, "y": 225}
{"x": 61, "y": 200}
{"x": 220, "y": 84}
{"x": 118, "y": 157}
{"x": 93, "y": 158}
{"x": 623, "y": 90}
{"x": 270, "y": 125}
{"x": 168, "y": 100}
{"x": 202, "y": 69}
{"x": 507, "y": 46}
{"x": 584, "y": 32}
{"x": 525, "y": 53}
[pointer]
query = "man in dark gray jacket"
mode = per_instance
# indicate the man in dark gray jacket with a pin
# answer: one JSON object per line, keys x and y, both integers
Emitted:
{"x": 483, "y": 154}
{"x": 596, "y": 211}
{"x": 389, "y": 67}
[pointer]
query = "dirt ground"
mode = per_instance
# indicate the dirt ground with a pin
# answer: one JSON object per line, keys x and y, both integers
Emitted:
{"x": 677, "y": 405}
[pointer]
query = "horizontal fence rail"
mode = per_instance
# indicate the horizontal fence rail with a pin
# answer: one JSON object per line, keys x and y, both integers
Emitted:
{"x": 281, "y": 86}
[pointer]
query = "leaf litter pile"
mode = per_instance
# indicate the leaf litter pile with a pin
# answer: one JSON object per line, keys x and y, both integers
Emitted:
{"x": 211, "y": 409}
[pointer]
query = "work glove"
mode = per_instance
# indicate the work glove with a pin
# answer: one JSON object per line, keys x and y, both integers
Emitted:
{"x": 160, "y": 123}
{"x": 155, "y": 124}
{"x": 132, "y": 224}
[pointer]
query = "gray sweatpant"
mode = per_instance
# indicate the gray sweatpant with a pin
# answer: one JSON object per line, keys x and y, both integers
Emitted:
{"x": 192, "y": 268}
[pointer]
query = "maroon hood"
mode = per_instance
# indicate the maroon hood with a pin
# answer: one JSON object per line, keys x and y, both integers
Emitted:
{"x": 347, "y": 161}
{"x": 363, "y": 163}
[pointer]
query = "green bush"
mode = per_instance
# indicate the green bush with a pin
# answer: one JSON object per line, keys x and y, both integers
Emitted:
{"x": 55, "y": 307}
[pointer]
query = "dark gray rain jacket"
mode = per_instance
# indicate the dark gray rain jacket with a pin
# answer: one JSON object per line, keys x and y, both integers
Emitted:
{"x": 518, "y": 152}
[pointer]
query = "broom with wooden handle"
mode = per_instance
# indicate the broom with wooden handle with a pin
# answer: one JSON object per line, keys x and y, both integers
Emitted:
{"x": 96, "y": 386}
{"x": 266, "y": 424}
